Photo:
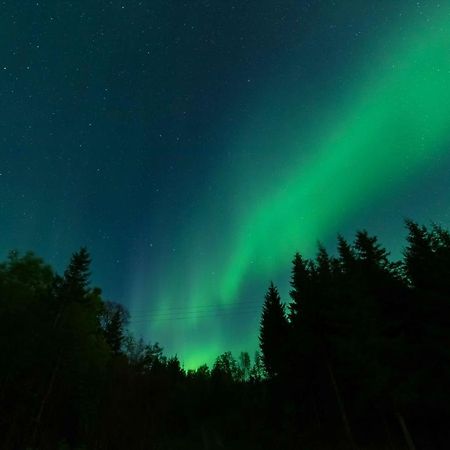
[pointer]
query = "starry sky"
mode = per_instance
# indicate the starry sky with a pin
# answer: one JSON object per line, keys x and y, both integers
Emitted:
{"x": 193, "y": 147}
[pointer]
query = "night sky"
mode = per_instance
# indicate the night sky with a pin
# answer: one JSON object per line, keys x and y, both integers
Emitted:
{"x": 194, "y": 146}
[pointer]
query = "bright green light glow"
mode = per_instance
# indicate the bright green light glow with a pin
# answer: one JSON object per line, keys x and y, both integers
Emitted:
{"x": 394, "y": 122}
{"x": 400, "y": 120}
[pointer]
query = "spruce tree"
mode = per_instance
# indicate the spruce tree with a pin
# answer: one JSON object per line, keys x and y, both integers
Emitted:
{"x": 418, "y": 256}
{"x": 114, "y": 318}
{"x": 347, "y": 255}
{"x": 369, "y": 252}
{"x": 76, "y": 276}
{"x": 273, "y": 333}
{"x": 300, "y": 284}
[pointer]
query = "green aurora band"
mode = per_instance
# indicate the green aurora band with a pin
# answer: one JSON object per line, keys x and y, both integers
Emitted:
{"x": 392, "y": 125}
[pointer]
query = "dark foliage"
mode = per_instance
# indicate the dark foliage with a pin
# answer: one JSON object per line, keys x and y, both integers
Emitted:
{"x": 360, "y": 359}
{"x": 273, "y": 333}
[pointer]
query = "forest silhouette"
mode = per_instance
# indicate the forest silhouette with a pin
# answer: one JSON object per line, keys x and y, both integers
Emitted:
{"x": 358, "y": 357}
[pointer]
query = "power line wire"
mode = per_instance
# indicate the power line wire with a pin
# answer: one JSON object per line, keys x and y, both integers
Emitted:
{"x": 196, "y": 308}
{"x": 210, "y": 314}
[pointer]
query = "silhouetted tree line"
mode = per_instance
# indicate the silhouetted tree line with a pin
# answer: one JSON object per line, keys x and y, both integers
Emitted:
{"x": 359, "y": 358}
{"x": 362, "y": 352}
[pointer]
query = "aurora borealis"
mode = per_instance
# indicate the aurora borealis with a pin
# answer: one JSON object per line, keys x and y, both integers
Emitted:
{"x": 195, "y": 147}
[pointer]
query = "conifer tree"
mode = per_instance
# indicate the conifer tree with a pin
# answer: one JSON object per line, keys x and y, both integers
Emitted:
{"x": 370, "y": 252}
{"x": 273, "y": 333}
{"x": 76, "y": 276}
{"x": 347, "y": 257}
{"x": 114, "y": 318}
{"x": 418, "y": 256}
{"x": 324, "y": 264}
{"x": 300, "y": 284}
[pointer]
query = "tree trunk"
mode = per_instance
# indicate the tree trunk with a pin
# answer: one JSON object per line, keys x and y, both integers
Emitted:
{"x": 48, "y": 392}
{"x": 388, "y": 432}
{"x": 405, "y": 431}
{"x": 44, "y": 401}
{"x": 342, "y": 411}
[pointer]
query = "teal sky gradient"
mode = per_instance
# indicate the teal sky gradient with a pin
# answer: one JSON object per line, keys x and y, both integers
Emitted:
{"x": 391, "y": 126}
{"x": 194, "y": 146}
